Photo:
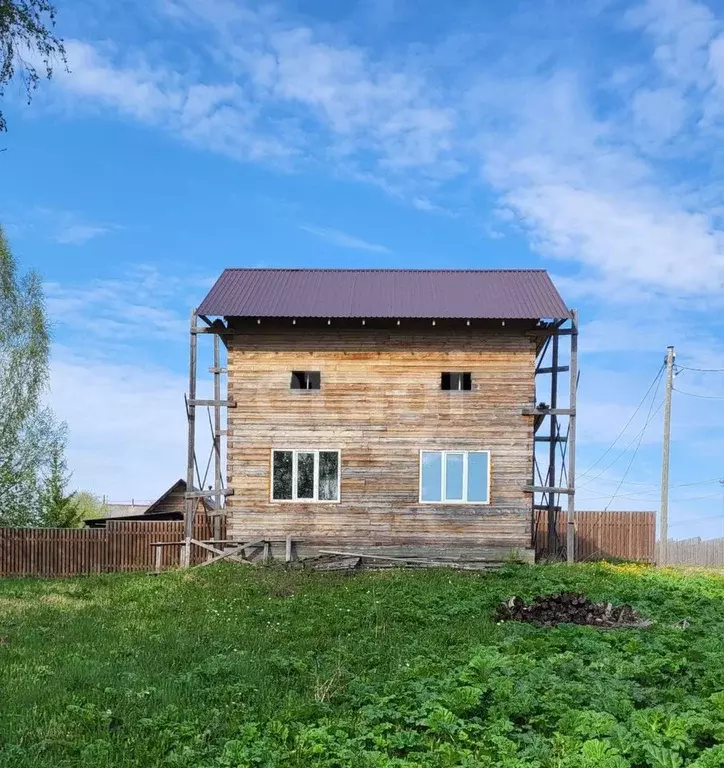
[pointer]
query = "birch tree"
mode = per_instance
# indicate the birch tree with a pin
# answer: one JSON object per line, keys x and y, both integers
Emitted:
{"x": 29, "y": 433}
{"x": 28, "y": 44}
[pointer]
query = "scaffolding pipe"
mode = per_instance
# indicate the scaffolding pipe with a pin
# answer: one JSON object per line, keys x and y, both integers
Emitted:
{"x": 190, "y": 502}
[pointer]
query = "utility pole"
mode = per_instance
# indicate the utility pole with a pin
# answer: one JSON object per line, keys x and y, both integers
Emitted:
{"x": 664, "y": 542}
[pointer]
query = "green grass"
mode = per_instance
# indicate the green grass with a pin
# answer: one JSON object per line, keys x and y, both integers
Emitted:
{"x": 234, "y": 666}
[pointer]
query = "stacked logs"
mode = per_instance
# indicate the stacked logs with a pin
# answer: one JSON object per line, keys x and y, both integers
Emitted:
{"x": 570, "y": 608}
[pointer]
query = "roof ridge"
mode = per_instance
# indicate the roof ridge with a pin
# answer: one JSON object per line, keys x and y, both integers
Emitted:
{"x": 382, "y": 269}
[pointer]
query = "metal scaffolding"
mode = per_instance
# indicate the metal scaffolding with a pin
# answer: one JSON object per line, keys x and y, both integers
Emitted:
{"x": 196, "y": 483}
{"x": 554, "y": 440}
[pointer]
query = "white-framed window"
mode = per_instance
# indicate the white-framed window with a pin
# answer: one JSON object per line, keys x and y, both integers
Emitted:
{"x": 455, "y": 477}
{"x": 305, "y": 475}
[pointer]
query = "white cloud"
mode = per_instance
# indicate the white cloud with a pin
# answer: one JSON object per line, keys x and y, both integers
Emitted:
{"x": 124, "y": 408}
{"x": 56, "y": 224}
{"x": 79, "y": 234}
{"x": 142, "y": 303}
{"x": 658, "y": 113}
{"x": 217, "y": 116}
{"x": 126, "y": 424}
{"x": 344, "y": 240}
{"x": 586, "y": 184}
{"x": 139, "y": 92}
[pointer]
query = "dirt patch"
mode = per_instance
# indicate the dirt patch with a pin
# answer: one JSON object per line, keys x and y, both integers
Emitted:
{"x": 570, "y": 608}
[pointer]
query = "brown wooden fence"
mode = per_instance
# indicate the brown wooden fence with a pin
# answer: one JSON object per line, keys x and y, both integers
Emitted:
{"x": 126, "y": 546}
{"x": 603, "y": 535}
{"x": 121, "y": 546}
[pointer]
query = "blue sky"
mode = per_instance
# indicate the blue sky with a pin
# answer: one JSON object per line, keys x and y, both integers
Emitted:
{"x": 189, "y": 136}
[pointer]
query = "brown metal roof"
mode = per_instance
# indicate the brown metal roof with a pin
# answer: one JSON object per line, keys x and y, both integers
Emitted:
{"x": 385, "y": 293}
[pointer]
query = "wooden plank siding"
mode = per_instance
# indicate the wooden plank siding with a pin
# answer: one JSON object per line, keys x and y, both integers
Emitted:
{"x": 380, "y": 403}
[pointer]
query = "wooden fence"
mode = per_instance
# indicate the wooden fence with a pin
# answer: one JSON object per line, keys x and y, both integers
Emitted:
{"x": 121, "y": 546}
{"x": 706, "y": 553}
{"x": 126, "y": 546}
{"x": 603, "y": 535}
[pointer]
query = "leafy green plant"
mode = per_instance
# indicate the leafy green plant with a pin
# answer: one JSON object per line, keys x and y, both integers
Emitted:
{"x": 232, "y": 667}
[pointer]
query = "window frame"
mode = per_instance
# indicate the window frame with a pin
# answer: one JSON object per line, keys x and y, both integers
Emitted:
{"x": 462, "y": 375}
{"x": 316, "y": 499}
{"x": 307, "y": 379}
{"x": 443, "y": 471}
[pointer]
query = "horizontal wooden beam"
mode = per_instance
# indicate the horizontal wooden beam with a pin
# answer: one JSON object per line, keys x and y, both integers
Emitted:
{"x": 546, "y": 489}
{"x": 212, "y": 403}
{"x": 553, "y": 369}
{"x": 226, "y": 370}
{"x": 547, "y": 439}
{"x": 533, "y": 411}
{"x": 549, "y": 332}
{"x": 210, "y": 492}
{"x": 213, "y": 329}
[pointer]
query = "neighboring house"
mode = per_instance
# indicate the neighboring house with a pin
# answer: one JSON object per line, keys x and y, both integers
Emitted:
{"x": 382, "y": 410}
{"x": 124, "y": 509}
{"x": 169, "y": 506}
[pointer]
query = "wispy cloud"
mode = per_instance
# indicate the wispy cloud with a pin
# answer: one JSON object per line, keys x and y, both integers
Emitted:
{"x": 595, "y": 188}
{"x": 79, "y": 234}
{"x": 344, "y": 240}
{"x": 113, "y": 380}
{"x": 57, "y": 224}
{"x": 140, "y": 303}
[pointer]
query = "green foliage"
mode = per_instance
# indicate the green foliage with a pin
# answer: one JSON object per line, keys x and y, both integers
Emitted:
{"x": 89, "y": 505}
{"x": 231, "y": 667}
{"x": 29, "y": 435}
{"x": 59, "y": 509}
{"x": 26, "y": 28}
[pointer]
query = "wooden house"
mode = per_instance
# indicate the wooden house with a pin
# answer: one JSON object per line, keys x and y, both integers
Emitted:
{"x": 168, "y": 506}
{"x": 383, "y": 411}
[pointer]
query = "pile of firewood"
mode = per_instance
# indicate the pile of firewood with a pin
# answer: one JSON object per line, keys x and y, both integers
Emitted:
{"x": 570, "y": 608}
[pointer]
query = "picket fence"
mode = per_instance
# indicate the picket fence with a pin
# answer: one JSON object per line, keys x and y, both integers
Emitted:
{"x": 704, "y": 553}
{"x": 121, "y": 546}
{"x": 126, "y": 546}
{"x": 603, "y": 535}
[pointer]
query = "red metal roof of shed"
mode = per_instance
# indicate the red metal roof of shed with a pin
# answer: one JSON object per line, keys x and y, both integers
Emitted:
{"x": 385, "y": 293}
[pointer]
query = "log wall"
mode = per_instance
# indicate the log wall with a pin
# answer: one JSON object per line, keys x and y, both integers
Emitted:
{"x": 380, "y": 403}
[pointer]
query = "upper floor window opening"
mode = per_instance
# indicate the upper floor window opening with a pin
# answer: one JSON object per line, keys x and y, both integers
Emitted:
{"x": 456, "y": 380}
{"x": 305, "y": 380}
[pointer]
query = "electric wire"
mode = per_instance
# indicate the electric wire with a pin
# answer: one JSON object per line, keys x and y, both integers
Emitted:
{"x": 703, "y": 397}
{"x": 638, "y": 435}
{"x": 636, "y": 450}
{"x": 626, "y": 425}
{"x": 700, "y": 370}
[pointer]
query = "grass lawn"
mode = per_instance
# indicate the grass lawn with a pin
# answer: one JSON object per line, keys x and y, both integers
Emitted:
{"x": 234, "y": 666}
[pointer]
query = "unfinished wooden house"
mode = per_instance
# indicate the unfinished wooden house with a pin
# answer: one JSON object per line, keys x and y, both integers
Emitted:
{"x": 384, "y": 412}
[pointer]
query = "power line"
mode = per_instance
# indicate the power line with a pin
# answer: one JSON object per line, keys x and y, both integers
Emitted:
{"x": 626, "y": 425}
{"x": 656, "y": 485}
{"x": 636, "y": 437}
{"x": 704, "y": 397}
{"x": 696, "y": 498}
{"x": 636, "y": 450}
{"x": 700, "y": 370}
{"x": 696, "y": 520}
{"x": 637, "y": 496}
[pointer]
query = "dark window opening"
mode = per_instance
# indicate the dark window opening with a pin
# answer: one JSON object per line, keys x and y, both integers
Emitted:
{"x": 456, "y": 380}
{"x": 306, "y": 380}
